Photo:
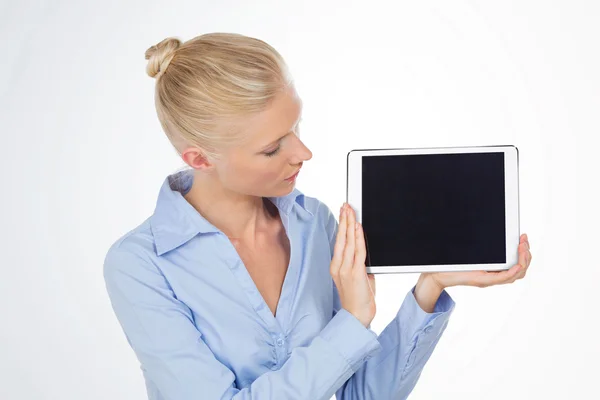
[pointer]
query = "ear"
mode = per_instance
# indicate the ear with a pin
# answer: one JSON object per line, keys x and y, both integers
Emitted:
{"x": 195, "y": 158}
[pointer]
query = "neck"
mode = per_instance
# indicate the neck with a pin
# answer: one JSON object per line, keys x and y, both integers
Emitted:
{"x": 239, "y": 216}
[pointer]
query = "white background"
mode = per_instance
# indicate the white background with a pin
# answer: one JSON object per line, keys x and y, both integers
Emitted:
{"x": 83, "y": 158}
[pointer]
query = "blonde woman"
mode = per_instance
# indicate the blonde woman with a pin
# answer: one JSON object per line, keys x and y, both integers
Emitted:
{"x": 239, "y": 286}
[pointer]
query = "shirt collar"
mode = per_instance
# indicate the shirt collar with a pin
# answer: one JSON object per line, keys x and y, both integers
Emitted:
{"x": 175, "y": 221}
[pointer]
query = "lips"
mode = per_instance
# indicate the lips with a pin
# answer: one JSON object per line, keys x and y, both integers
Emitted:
{"x": 295, "y": 173}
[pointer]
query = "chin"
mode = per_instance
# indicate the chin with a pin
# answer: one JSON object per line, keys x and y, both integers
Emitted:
{"x": 287, "y": 189}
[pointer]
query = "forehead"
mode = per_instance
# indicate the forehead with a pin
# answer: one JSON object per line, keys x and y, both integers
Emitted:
{"x": 275, "y": 121}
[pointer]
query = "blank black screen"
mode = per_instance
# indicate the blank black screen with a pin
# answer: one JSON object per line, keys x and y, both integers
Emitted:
{"x": 434, "y": 209}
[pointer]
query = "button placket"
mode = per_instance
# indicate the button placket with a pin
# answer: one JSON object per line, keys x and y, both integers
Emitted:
{"x": 281, "y": 348}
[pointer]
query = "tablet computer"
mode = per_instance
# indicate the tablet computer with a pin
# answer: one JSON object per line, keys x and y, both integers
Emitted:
{"x": 436, "y": 209}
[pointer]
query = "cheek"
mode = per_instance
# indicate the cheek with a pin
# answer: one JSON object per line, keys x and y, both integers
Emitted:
{"x": 254, "y": 173}
{"x": 272, "y": 170}
{"x": 266, "y": 174}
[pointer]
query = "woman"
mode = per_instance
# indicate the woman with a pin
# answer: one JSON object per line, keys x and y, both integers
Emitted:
{"x": 224, "y": 291}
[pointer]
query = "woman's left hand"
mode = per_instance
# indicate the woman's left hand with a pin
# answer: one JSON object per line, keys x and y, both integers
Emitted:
{"x": 485, "y": 278}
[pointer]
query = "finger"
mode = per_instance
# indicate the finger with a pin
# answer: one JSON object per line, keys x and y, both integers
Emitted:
{"x": 520, "y": 268}
{"x": 340, "y": 243}
{"x": 372, "y": 281}
{"x": 527, "y": 259}
{"x": 359, "y": 249}
{"x": 348, "y": 258}
{"x": 511, "y": 275}
{"x": 524, "y": 239}
{"x": 500, "y": 277}
{"x": 523, "y": 255}
{"x": 520, "y": 274}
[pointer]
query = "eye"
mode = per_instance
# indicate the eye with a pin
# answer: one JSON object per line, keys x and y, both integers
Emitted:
{"x": 272, "y": 153}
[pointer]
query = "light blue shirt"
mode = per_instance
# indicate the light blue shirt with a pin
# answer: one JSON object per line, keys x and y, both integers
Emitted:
{"x": 201, "y": 329}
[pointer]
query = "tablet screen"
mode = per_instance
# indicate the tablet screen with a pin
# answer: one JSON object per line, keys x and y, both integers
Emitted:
{"x": 432, "y": 209}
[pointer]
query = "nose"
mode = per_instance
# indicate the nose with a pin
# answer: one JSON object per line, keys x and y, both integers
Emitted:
{"x": 301, "y": 152}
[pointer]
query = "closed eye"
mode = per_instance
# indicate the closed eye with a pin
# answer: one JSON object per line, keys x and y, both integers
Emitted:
{"x": 272, "y": 153}
{"x": 295, "y": 131}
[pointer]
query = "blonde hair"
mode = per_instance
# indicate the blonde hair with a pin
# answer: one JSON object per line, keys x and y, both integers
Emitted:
{"x": 207, "y": 85}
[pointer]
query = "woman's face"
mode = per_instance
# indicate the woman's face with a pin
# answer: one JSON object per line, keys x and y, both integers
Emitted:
{"x": 271, "y": 153}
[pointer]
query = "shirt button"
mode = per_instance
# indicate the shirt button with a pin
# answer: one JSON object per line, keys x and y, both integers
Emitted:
{"x": 428, "y": 329}
{"x": 279, "y": 342}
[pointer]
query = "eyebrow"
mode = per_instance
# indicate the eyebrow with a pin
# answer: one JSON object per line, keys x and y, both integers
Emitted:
{"x": 281, "y": 137}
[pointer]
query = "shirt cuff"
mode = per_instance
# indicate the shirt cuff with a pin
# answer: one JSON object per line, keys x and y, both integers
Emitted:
{"x": 421, "y": 321}
{"x": 350, "y": 338}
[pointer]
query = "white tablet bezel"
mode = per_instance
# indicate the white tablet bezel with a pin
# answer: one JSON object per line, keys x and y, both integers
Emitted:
{"x": 511, "y": 181}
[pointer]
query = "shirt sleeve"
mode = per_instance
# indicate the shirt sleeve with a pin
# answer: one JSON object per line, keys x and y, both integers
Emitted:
{"x": 407, "y": 343}
{"x": 160, "y": 329}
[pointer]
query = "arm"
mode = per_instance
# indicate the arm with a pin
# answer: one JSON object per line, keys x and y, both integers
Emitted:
{"x": 407, "y": 342}
{"x": 161, "y": 332}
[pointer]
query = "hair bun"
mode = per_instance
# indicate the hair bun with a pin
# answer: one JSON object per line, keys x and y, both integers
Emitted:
{"x": 160, "y": 55}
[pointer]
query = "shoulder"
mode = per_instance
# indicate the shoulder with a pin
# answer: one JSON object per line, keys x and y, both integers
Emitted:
{"x": 321, "y": 211}
{"x": 130, "y": 253}
{"x": 316, "y": 207}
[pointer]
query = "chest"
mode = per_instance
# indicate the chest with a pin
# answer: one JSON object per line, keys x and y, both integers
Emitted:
{"x": 267, "y": 264}
{"x": 224, "y": 296}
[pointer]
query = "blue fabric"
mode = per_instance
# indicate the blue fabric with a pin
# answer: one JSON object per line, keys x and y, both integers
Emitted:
{"x": 201, "y": 329}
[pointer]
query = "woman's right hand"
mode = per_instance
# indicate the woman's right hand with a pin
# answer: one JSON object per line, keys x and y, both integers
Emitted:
{"x": 348, "y": 268}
